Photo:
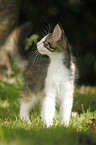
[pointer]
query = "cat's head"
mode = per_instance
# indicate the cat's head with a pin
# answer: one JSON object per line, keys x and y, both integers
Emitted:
{"x": 53, "y": 42}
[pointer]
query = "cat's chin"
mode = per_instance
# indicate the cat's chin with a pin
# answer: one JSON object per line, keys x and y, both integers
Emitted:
{"x": 43, "y": 51}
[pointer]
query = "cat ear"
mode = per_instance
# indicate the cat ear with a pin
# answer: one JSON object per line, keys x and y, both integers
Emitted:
{"x": 57, "y": 33}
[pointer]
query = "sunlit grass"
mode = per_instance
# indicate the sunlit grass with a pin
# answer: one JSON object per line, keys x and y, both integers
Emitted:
{"x": 15, "y": 132}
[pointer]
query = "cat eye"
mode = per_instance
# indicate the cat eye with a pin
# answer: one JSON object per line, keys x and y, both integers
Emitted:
{"x": 48, "y": 46}
{"x": 46, "y": 43}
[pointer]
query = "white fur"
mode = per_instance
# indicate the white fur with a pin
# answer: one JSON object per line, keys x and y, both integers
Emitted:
{"x": 25, "y": 108}
{"x": 58, "y": 86}
{"x": 41, "y": 48}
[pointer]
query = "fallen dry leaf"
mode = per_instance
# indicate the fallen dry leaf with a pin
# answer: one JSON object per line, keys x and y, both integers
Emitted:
{"x": 74, "y": 114}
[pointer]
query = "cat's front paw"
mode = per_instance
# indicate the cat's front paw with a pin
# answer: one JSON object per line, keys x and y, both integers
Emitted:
{"x": 65, "y": 123}
{"x": 47, "y": 123}
{"x": 25, "y": 119}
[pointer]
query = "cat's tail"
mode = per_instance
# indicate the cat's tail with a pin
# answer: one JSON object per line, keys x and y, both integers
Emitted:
{"x": 23, "y": 32}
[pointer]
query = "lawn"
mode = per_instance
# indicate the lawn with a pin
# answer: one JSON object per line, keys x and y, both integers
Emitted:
{"x": 81, "y": 131}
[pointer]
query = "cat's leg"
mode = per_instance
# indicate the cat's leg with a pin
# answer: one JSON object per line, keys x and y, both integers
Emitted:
{"x": 66, "y": 104}
{"x": 25, "y": 107}
{"x": 48, "y": 109}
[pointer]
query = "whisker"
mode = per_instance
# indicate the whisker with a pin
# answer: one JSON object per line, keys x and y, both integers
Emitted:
{"x": 35, "y": 57}
{"x": 50, "y": 27}
{"x": 45, "y": 31}
{"x": 47, "y": 27}
{"x": 33, "y": 52}
{"x": 32, "y": 56}
{"x": 39, "y": 57}
{"x": 30, "y": 53}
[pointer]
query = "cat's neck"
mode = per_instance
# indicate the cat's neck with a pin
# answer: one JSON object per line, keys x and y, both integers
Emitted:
{"x": 56, "y": 57}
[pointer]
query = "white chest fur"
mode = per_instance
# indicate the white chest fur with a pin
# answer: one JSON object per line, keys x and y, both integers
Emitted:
{"x": 57, "y": 90}
{"x": 58, "y": 74}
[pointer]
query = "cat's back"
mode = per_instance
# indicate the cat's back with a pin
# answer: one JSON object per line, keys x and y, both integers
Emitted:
{"x": 36, "y": 73}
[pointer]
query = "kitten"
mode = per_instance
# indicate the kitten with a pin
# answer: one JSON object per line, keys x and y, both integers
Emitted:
{"x": 51, "y": 79}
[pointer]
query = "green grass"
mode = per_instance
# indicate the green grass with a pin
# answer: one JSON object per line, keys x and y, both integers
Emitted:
{"x": 13, "y": 131}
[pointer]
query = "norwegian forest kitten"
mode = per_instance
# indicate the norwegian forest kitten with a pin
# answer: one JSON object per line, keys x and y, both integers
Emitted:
{"x": 50, "y": 79}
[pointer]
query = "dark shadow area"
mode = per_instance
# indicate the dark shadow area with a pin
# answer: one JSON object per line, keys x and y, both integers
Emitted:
{"x": 78, "y": 18}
